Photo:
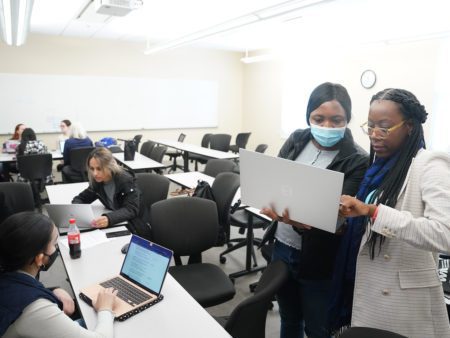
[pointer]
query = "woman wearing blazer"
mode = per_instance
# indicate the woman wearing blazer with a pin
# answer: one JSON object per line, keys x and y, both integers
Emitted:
{"x": 402, "y": 220}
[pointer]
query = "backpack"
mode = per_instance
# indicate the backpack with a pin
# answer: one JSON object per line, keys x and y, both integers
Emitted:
{"x": 203, "y": 190}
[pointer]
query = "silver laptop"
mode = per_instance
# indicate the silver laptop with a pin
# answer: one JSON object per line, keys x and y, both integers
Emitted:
{"x": 11, "y": 145}
{"x": 140, "y": 281}
{"x": 61, "y": 213}
{"x": 310, "y": 194}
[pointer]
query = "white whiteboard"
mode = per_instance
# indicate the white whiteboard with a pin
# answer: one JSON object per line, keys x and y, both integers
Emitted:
{"x": 106, "y": 103}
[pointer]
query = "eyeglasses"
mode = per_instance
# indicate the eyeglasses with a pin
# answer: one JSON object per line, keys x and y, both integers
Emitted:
{"x": 381, "y": 132}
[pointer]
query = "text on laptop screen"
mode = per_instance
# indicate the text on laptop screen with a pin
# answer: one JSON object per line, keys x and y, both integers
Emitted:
{"x": 146, "y": 264}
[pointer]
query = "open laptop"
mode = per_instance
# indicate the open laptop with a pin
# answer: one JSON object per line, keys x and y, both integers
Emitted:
{"x": 140, "y": 281}
{"x": 11, "y": 145}
{"x": 61, "y": 213}
{"x": 61, "y": 145}
{"x": 311, "y": 194}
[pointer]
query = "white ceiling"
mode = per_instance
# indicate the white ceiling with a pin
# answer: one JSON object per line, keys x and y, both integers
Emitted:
{"x": 331, "y": 22}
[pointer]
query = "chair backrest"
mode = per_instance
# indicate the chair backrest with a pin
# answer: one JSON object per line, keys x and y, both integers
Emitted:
{"x": 153, "y": 187}
{"x": 137, "y": 139}
{"x": 186, "y": 225}
{"x": 242, "y": 139}
{"x": 216, "y": 166}
{"x": 261, "y": 148}
{"x": 224, "y": 188}
{"x": 78, "y": 158}
{"x": 248, "y": 319}
{"x": 35, "y": 166}
{"x": 147, "y": 147}
{"x": 158, "y": 153}
{"x": 15, "y": 197}
{"x": 367, "y": 332}
{"x": 181, "y": 137}
{"x": 205, "y": 140}
{"x": 220, "y": 142}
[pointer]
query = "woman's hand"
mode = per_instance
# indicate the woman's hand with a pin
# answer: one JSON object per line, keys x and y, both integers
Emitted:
{"x": 106, "y": 300}
{"x": 285, "y": 218}
{"x": 353, "y": 207}
{"x": 101, "y": 222}
{"x": 66, "y": 300}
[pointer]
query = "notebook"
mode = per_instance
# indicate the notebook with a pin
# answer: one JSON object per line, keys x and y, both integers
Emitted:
{"x": 311, "y": 194}
{"x": 140, "y": 281}
{"x": 61, "y": 213}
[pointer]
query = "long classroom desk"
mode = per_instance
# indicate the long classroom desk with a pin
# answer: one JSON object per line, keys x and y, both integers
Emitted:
{"x": 140, "y": 162}
{"x": 178, "y": 315}
{"x": 5, "y": 157}
{"x": 187, "y": 148}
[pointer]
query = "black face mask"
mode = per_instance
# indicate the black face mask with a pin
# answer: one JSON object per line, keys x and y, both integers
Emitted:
{"x": 51, "y": 260}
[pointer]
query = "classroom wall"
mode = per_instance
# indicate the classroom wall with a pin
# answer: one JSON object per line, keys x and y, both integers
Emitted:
{"x": 411, "y": 66}
{"x": 94, "y": 57}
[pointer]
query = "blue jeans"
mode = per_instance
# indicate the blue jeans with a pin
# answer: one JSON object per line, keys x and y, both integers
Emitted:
{"x": 303, "y": 303}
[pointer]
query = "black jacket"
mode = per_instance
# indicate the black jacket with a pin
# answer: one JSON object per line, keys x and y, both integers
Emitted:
{"x": 127, "y": 203}
{"x": 319, "y": 247}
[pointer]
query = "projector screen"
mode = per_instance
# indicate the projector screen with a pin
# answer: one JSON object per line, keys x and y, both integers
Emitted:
{"x": 106, "y": 103}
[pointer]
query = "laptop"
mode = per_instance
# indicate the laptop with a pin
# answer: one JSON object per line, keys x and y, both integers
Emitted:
{"x": 311, "y": 194}
{"x": 140, "y": 281}
{"x": 61, "y": 145}
{"x": 61, "y": 213}
{"x": 11, "y": 145}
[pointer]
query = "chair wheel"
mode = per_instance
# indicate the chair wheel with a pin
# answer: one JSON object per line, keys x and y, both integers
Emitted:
{"x": 222, "y": 259}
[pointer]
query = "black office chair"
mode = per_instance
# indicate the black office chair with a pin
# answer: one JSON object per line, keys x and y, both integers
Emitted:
{"x": 199, "y": 158}
{"x": 216, "y": 166}
{"x": 15, "y": 197}
{"x": 241, "y": 142}
{"x": 153, "y": 187}
{"x": 224, "y": 189}
{"x": 261, "y": 148}
{"x": 147, "y": 148}
{"x": 78, "y": 162}
{"x": 189, "y": 226}
{"x": 137, "y": 139}
{"x": 37, "y": 169}
{"x": 367, "y": 332}
{"x": 220, "y": 142}
{"x": 157, "y": 155}
{"x": 174, "y": 154}
{"x": 248, "y": 319}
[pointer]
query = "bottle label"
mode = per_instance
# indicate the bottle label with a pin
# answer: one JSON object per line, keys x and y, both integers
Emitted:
{"x": 74, "y": 238}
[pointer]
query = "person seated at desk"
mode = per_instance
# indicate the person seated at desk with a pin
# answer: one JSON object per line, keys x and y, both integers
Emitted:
{"x": 30, "y": 145}
{"x": 28, "y": 245}
{"x": 116, "y": 189}
{"x": 65, "y": 134}
{"x": 7, "y": 168}
{"x": 78, "y": 139}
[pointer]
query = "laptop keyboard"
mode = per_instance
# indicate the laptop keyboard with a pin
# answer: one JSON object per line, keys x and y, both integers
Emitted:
{"x": 126, "y": 291}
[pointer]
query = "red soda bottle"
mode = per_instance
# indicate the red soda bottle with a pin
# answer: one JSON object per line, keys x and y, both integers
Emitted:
{"x": 73, "y": 235}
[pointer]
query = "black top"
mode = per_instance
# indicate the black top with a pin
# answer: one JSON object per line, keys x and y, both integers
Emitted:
{"x": 319, "y": 247}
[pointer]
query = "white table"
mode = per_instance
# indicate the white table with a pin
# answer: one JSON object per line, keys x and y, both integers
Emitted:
{"x": 178, "y": 315}
{"x": 140, "y": 162}
{"x": 187, "y": 148}
{"x": 5, "y": 157}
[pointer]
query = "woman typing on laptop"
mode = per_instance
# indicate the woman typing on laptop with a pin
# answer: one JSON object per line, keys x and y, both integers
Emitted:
{"x": 116, "y": 189}
{"x": 28, "y": 244}
{"x": 310, "y": 252}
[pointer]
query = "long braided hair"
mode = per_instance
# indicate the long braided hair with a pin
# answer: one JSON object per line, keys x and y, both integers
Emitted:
{"x": 389, "y": 189}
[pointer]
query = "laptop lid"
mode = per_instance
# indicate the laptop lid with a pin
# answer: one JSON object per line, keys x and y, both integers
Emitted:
{"x": 311, "y": 194}
{"x": 61, "y": 145}
{"x": 11, "y": 145}
{"x": 146, "y": 264}
{"x": 61, "y": 213}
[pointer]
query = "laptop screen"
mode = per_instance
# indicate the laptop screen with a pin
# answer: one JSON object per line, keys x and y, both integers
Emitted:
{"x": 61, "y": 145}
{"x": 146, "y": 264}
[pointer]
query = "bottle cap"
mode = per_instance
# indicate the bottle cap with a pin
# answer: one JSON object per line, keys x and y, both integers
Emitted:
{"x": 72, "y": 220}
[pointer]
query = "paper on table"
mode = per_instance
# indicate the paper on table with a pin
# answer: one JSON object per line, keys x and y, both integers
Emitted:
{"x": 89, "y": 239}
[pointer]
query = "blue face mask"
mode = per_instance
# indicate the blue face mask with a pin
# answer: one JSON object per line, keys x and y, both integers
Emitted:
{"x": 327, "y": 137}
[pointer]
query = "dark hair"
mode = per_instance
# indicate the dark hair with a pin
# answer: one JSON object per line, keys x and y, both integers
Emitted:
{"x": 16, "y": 132}
{"x": 22, "y": 237}
{"x": 414, "y": 113}
{"x": 328, "y": 92}
{"x": 28, "y": 134}
{"x": 67, "y": 122}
